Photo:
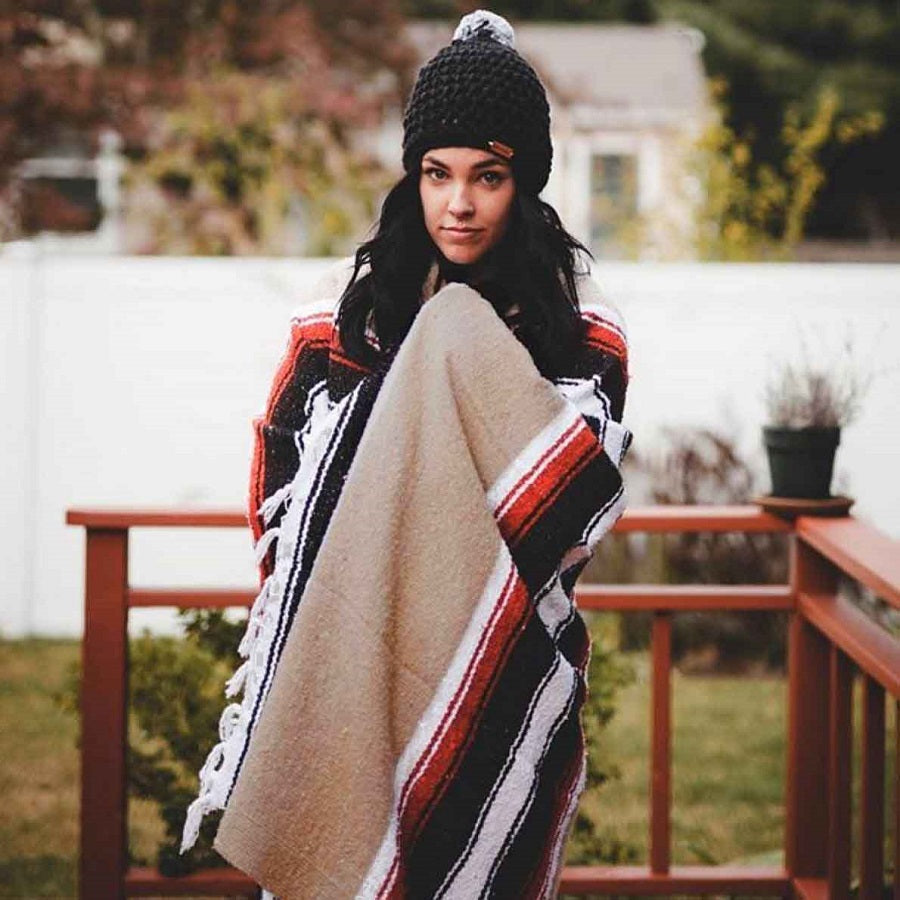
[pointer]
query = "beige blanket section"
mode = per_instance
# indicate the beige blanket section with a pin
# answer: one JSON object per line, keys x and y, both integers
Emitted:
{"x": 408, "y": 553}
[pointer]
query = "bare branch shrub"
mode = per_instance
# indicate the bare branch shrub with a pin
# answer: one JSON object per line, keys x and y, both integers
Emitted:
{"x": 818, "y": 392}
{"x": 702, "y": 466}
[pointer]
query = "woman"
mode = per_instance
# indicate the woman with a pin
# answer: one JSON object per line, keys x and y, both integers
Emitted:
{"x": 439, "y": 456}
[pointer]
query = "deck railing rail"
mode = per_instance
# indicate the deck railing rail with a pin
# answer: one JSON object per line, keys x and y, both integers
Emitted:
{"x": 831, "y": 642}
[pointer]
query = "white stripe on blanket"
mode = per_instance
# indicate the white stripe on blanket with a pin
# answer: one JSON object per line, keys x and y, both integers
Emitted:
{"x": 511, "y": 796}
{"x": 555, "y": 608}
{"x": 506, "y": 490}
{"x": 264, "y": 637}
{"x": 588, "y": 396}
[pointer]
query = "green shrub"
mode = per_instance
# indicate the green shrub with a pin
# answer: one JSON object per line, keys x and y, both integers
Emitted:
{"x": 176, "y": 691}
{"x": 608, "y": 672}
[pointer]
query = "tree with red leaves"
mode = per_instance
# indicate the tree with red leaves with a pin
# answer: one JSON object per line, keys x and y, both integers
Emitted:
{"x": 70, "y": 68}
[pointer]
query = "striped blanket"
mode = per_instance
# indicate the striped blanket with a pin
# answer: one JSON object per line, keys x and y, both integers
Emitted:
{"x": 415, "y": 666}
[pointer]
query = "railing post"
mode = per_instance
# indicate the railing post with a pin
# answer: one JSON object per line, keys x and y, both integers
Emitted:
{"x": 661, "y": 738}
{"x": 897, "y": 800}
{"x": 807, "y": 789}
{"x": 872, "y": 794}
{"x": 840, "y": 749}
{"x": 104, "y": 679}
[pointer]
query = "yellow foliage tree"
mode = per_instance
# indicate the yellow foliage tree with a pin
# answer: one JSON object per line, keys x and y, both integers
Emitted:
{"x": 239, "y": 166}
{"x": 751, "y": 210}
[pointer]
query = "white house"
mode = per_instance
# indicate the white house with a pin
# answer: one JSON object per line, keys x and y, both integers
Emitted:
{"x": 626, "y": 102}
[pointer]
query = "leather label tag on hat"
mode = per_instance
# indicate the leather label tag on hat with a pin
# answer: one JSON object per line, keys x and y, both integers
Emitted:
{"x": 503, "y": 150}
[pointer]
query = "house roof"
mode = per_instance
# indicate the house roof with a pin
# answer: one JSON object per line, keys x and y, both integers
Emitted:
{"x": 618, "y": 69}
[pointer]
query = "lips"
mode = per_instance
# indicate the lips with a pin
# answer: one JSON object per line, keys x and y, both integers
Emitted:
{"x": 461, "y": 235}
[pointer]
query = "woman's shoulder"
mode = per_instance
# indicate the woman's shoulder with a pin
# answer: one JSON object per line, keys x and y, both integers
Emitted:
{"x": 320, "y": 299}
{"x": 603, "y": 318}
{"x": 596, "y": 305}
{"x": 604, "y": 322}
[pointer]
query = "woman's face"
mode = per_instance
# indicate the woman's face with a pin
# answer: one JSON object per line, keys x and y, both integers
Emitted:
{"x": 466, "y": 196}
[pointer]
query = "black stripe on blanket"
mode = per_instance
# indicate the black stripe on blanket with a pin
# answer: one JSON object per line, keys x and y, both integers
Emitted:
{"x": 526, "y": 858}
{"x": 326, "y": 490}
{"x": 561, "y": 524}
{"x": 310, "y": 368}
{"x": 442, "y": 841}
{"x": 573, "y": 642}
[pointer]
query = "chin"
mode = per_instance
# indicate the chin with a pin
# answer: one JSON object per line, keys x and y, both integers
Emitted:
{"x": 462, "y": 256}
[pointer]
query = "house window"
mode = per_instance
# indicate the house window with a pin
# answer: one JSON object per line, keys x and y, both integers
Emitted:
{"x": 66, "y": 204}
{"x": 613, "y": 202}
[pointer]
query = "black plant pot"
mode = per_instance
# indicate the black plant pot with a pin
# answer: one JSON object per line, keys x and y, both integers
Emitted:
{"x": 801, "y": 460}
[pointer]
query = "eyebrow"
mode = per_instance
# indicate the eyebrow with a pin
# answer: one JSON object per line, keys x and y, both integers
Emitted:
{"x": 484, "y": 164}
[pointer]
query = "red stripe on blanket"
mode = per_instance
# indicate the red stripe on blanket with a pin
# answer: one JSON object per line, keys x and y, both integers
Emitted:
{"x": 256, "y": 480}
{"x": 536, "y": 467}
{"x": 597, "y": 324}
{"x": 604, "y": 333}
{"x": 436, "y": 766}
{"x": 336, "y": 356}
{"x": 548, "y": 478}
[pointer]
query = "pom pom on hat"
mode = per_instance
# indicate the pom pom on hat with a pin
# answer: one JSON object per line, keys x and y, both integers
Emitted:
{"x": 484, "y": 22}
{"x": 479, "y": 92}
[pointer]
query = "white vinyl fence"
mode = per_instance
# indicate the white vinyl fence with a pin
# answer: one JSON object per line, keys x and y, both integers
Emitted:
{"x": 132, "y": 382}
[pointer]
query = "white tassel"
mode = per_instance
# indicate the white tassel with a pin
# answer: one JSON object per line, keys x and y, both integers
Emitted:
{"x": 271, "y": 503}
{"x": 229, "y": 718}
{"x": 265, "y": 541}
{"x": 498, "y": 28}
{"x": 236, "y": 682}
{"x": 254, "y": 618}
{"x": 260, "y": 601}
{"x": 202, "y": 804}
{"x": 195, "y": 813}
{"x": 248, "y": 639}
{"x": 212, "y": 763}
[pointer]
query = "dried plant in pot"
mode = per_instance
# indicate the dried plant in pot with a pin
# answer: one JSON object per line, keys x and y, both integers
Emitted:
{"x": 807, "y": 405}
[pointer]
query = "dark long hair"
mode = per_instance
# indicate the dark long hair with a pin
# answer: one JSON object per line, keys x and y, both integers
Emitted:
{"x": 534, "y": 265}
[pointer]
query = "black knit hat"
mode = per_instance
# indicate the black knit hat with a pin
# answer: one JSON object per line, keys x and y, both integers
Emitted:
{"x": 479, "y": 92}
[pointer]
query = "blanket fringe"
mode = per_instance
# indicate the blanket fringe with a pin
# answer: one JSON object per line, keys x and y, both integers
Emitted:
{"x": 217, "y": 772}
{"x": 204, "y": 802}
{"x": 235, "y": 717}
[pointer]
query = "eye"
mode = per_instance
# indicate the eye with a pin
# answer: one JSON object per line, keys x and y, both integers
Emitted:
{"x": 492, "y": 178}
{"x": 436, "y": 174}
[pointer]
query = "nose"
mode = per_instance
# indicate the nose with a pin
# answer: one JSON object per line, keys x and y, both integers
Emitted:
{"x": 460, "y": 205}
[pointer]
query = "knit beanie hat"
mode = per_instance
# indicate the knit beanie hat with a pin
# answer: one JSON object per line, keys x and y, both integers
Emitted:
{"x": 479, "y": 92}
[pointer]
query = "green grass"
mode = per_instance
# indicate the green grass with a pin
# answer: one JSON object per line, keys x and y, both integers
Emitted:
{"x": 39, "y": 771}
{"x": 728, "y": 769}
{"x": 728, "y": 755}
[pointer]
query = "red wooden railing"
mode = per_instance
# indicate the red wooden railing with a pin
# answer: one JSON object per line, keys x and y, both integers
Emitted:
{"x": 831, "y": 642}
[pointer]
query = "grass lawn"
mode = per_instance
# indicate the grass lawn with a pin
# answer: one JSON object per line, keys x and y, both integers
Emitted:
{"x": 729, "y": 758}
